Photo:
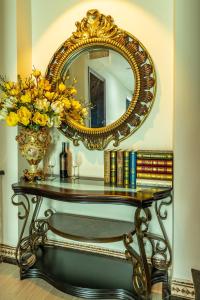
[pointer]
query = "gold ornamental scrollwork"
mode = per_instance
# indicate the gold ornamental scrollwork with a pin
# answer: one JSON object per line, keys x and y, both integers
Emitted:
{"x": 95, "y": 25}
{"x": 98, "y": 30}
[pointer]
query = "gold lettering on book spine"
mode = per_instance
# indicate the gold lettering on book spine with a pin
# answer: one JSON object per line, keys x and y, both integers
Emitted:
{"x": 120, "y": 168}
{"x": 152, "y": 169}
{"x": 155, "y": 176}
{"x": 113, "y": 167}
{"x": 106, "y": 166}
{"x": 158, "y": 162}
{"x": 126, "y": 168}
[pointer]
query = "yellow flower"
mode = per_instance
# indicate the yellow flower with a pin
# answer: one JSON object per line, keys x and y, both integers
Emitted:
{"x": 40, "y": 119}
{"x": 24, "y": 85}
{"x": 73, "y": 91}
{"x": 9, "y": 85}
{"x": 67, "y": 103}
{"x": 31, "y": 84}
{"x": 35, "y": 92}
{"x": 62, "y": 87}
{"x": 84, "y": 112}
{"x": 24, "y": 115}
{"x": 44, "y": 84}
{"x": 36, "y": 73}
{"x": 49, "y": 95}
{"x": 76, "y": 105}
{"x": 26, "y": 98}
{"x": 34, "y": 100}
{"x": 14, "y": 92}
{"x": 75, "y": 115}
{"x": 12, "y": 119}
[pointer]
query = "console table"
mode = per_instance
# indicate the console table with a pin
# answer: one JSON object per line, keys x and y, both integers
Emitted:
{"x": 90, "y": 275}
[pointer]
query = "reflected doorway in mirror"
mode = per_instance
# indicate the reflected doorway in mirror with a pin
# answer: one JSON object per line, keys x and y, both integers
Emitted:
{"x": 97, "y": 97}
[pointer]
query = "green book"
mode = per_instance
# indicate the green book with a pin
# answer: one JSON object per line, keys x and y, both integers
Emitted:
{"x": 126, "y": 168}
{"x": 113, "y": 170}
{"x": 107, "y": 166}
{"x": 120, "y": 169}
{"x": 154, "y": 154}
{"x": 132, "y": 169}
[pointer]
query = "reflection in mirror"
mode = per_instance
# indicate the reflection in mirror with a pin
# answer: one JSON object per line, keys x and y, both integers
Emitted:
{"x": 105, "y": 82}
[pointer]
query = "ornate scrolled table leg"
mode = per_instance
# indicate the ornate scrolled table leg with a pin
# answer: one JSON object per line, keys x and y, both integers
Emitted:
{"x": 161, "y": 257}
{"x": 141, "y": 269}
{"x": 26, "y": 247}
{"x": 161, "y": 253}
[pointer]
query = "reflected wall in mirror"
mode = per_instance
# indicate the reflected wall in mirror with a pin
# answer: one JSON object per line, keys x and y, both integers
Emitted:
{"x": 115, "y": 77}
{"x": 105, "y": 81}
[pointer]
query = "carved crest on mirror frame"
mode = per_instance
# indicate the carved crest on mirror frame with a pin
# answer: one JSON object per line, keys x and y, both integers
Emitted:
{"x": 95, "y": 25}
{"x": 99, "y": 30}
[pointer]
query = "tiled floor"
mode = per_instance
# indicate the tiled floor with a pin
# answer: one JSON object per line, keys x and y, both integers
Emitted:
{"x": 11, "y": 288}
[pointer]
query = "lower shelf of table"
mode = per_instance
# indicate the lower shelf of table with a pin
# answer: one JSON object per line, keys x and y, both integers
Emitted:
{"x": 86, "y": 275}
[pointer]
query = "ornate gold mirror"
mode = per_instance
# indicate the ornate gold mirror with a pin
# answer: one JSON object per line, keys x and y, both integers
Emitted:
{"x": 115, "y": 77}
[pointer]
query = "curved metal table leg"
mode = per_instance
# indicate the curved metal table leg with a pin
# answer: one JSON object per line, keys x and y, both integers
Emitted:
{"x": 141, "y": 268}
{"x": 161, "y": 257}
{"x": 25, "y": 251}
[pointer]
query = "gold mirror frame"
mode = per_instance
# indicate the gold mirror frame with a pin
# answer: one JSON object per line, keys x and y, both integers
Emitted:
{"x": 97, "y": 29}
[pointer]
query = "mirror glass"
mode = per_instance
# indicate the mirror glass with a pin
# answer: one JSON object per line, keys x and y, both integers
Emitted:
{"x": 105, "y": 84}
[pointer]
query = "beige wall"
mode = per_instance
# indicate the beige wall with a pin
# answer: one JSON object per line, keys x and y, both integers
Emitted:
{"x": 8, "y": 146}
{"x": 187, "y": 139}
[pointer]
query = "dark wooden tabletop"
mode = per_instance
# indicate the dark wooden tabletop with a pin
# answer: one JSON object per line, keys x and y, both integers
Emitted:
{"x": 91, "y": 190}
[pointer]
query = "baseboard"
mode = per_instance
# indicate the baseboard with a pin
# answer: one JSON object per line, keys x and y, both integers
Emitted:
{"x": 7, "y": 254}
{"x": 179, "y": 288}
{"x": 183, "y": 289}
{"x": 87, "y": 248}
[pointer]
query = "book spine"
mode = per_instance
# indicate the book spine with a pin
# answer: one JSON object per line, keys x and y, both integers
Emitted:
{"x": 154, "y": 183}
{"x": 113, "y": 167}
{"x": 150, "y": 169}
{"x": 154, "y": 155}
{"x": 106, "y": 166}
{"x": 154, "y": 176}
{"x": 120, "y": 168}
{"x": 132, "y": 169}
{"x": 154, "y": 162}
{"x": 126, "y": 168}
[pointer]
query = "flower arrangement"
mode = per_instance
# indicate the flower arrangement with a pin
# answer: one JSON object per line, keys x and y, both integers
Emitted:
{"x": 35, "y": 103}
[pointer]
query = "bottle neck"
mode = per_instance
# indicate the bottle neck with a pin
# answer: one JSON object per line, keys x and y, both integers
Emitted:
{"x": 63, "y": 147}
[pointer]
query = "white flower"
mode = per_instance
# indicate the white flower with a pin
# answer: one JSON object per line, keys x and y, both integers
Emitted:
{"x": 9, "y": 102}
{"x": 3, "y": 113}
{"x": 42, "y": 104}
{"x": 54, "y": 121}
{"x": 57, "y": 107}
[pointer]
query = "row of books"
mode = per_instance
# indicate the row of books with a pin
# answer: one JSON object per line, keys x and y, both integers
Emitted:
{"x": 143, "y": 167}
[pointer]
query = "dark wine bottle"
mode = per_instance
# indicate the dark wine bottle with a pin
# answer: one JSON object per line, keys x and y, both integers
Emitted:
{"x": 63, "y": 162}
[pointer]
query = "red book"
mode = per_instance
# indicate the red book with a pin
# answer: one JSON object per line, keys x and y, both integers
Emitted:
{"x": 155, "y": 176}
{"x": 153, "y": 169}
{"x": 155, "y": 162}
